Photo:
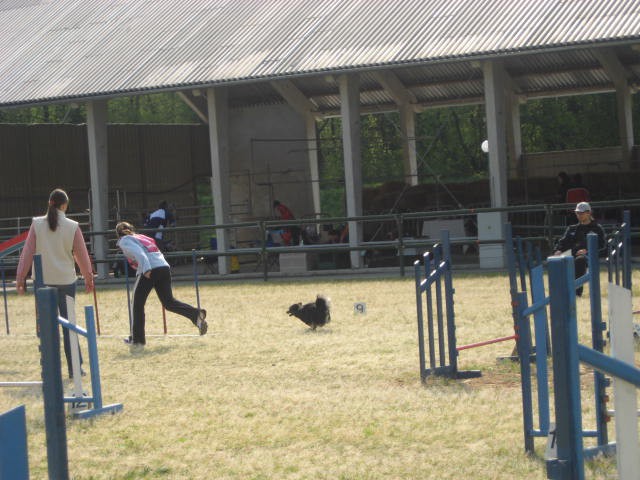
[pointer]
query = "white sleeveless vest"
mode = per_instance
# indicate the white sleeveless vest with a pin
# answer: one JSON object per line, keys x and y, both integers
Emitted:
{"x": 56, "y": 249}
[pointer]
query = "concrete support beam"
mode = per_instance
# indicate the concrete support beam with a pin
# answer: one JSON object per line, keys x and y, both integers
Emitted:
{"x": 620, "y": 79}
{"x": 514, "y": 136}
{"x": 293, "y": 96}
{"x": 406, "y": 101}
{"x": 314, "y": 169}
{"x": 394, "y": 87}
{"x": 495, "y": 107}
{"x": 97, "y": 117}
{"x": 218, "y": 120}
{"x": 495, "y": 83}
{"x": 192, "y": 103}
{"x": 409, "y": 153}
{"x": 352, "y": 150}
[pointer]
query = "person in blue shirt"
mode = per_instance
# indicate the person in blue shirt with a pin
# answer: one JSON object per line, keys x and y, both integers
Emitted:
{"x": 152, "y": 272}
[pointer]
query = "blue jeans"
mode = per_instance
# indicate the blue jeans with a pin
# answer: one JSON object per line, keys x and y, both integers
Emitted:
{"x": 63, "y": 292}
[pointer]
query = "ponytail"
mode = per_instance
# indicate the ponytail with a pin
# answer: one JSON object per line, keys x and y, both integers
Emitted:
{"x": 57, "y": 198}
{"x": 124, "y": 228}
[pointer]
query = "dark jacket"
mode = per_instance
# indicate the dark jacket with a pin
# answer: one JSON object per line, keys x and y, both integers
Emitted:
{"x": 575, "y": 238}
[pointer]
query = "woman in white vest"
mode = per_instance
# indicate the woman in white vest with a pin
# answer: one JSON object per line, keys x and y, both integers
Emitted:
{"x": 59, "y": 242}
{"x": 153, "y": 272}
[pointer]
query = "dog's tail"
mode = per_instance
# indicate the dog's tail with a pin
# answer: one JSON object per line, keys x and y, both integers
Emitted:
{"x": 323, "y": 302}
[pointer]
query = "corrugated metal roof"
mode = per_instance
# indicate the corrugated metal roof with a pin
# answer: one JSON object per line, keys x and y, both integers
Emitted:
{"x": 52, "y": 50}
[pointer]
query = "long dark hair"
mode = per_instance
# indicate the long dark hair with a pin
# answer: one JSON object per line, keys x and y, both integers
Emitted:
{"x": 57, "y": 198}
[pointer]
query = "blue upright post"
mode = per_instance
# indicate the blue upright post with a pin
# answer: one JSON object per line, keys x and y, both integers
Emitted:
{"x": 437, "y": 258}
{"x": 126, "y": 281}
{"x": 566, "y": 372}
{"x": 511, "y": 260}
{"x": 541, "y": 338}
{"x": 523, "y": 344}
{"x": 56, "y": 429}
{"x": 421, "y": 353}
{"x": 195, "y": 276}
{"x": 93, "y": 358}
{"x": 597, "y": 327}
{"x": 448, "y": 297}
{"x": 38, "y": 282}
{"x": 428, "y": 257}
{"x": 14, "y": 459}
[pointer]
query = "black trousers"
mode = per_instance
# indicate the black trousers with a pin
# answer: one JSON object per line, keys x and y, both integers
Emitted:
{"x": 160, "y": 281}
{"x": 581, "y": 269}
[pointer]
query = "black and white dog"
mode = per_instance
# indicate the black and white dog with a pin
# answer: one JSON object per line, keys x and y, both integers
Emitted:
{"x": 315, "y": 314}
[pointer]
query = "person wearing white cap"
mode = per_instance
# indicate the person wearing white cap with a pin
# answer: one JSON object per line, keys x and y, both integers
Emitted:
{"x": 575, "y": 239}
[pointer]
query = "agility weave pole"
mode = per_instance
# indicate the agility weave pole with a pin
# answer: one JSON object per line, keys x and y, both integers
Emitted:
{"x": 567, "y": 355}
{"x": 438, "y": 277}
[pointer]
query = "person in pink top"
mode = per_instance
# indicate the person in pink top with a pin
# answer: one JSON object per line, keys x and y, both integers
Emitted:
{"x": 59, "y": 242}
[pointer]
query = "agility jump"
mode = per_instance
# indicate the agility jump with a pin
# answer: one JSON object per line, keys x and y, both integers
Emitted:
{"x": 567, "y": 355}
{"x": 79, "y": 401}
{"x": 438, "y": 280}
{"x": 619, "y": 270}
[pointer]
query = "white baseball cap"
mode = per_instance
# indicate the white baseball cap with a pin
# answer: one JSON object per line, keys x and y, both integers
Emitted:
{"x": 583, "y": 207}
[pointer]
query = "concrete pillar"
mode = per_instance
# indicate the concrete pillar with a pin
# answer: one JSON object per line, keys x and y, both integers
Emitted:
{"x": 495, "y": 107}
{"x": 625, "y": 122}
{"x": 619, "y": 76}
{"x": 350, "y": 112}
{"x": 514, "y": 137}
{"x": 218, "y": 115}
{"x": 314, "y": 170}
{"x": 97, "y": 116}
{"x": 409, "y": 154}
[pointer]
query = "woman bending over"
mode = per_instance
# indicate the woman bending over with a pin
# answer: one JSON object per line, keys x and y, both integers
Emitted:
{"x": 152, "y": 272}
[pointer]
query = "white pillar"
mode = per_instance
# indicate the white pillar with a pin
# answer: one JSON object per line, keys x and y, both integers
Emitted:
{"x": 495, "y": 107}
{"x": 514, "y": 137}
{"x": 314, "y": 170}
{"x": 97, "y": 116}
{"x": 350, "y": 112}
{"x": 218, "y": 112}
{"x": 619, "y": 76}
{"x": 409, "y": 155}
{"x": 625, "y": 122}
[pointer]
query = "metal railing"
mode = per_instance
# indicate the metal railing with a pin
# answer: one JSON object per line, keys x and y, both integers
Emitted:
{"x": 397, "y": 242}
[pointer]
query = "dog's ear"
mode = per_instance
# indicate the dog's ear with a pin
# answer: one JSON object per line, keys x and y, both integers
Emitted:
{"x": 294, "y": 308}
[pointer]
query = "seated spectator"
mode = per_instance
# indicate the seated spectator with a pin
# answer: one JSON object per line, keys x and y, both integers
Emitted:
{"x": 575, "y": 240}
{"x": 291, "y": 234}
{"x": 159, "y": 219}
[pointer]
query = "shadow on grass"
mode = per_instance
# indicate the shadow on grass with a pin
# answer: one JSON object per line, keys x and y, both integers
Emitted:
{"x": 147, "y": 351}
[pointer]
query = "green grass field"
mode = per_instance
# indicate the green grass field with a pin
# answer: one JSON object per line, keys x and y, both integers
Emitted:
{"x": 261, "y": 396}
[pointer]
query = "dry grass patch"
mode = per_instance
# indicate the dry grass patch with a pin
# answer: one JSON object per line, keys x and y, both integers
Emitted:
{"x": 264, "y": 397}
